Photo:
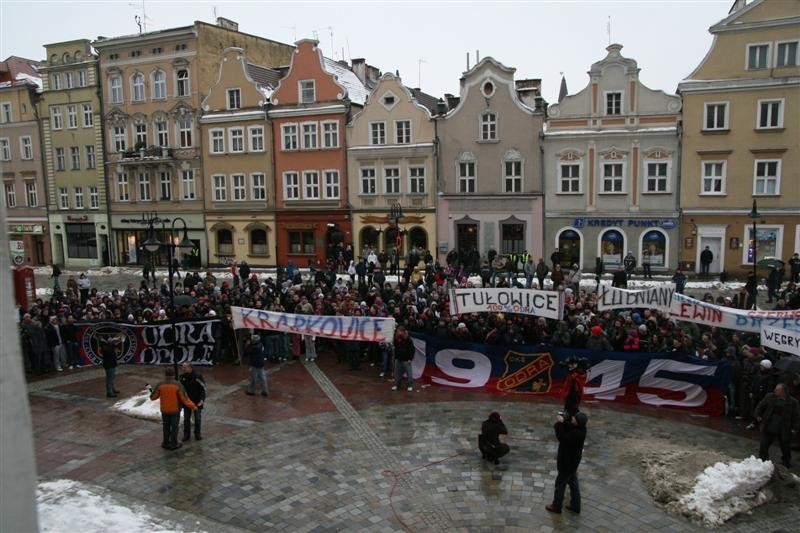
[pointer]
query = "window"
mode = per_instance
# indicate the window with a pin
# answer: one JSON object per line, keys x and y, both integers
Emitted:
{"x": 63, "y": 198}
{"x": 513, "y": 238}
{"x": 402, "y": 132}
{"x": 309, "y": 135}
{"x": 234, "y": 98}
{"x": 291, "y": 186}
{"x": 182, "y": 85}
{"x": 55, "y": 81}
{"x": 306, "y": 90}
{"x": 378, "y": 133}
{"x": 137, "y": 85}
{"x": 224, "y": 242}
{"x": 416, "y": 180}
{"x": 55, "y": 113}
{"x": 78, "y": 195}
{"x": 488, "y": 127}
{"x": 159, "y": 85}
{"x": 88, "y": 116}
{"x": 757, "y": 56}
{"x": 716, "y": 116}
{"x": 188, "y": 185}
{"x": 612, "y": 177}
{"x": 713, "y": 177}
{"x": 185, "y": 127}
{"x": 217, "y": 140}
{"x": 81, "y": 78}
{"x": 289, "y": 134}
{"x": 391, "y": 180}
{"x": 570, "y": 178}
{"x": 614, "y": 103}
{"x": 220, "y": 188}
{"x": 5, "y": 149}
{"x": 512, "y": 176}
{"x": 786, "y": 54}
{"x": 118, "y": 135}
{"x": 259, "y": 182}
{"x": 81, "y": 241}
{"x": 655, "y": 242}
{"x": 768, "y": 177}
{"x": 11, "y": 195}
{"x": 141, "y": 135}
{"x": 330, "y": 135}
{"x": 165, "y": 185}
{"x": 61, "y": 162}
{"x": 612, "y": 244}
{"x": 94, "y": 198}
{"x": 162, "y": 133}
{"x": 258, "y": 242}
{"x": 311, "y": 181}
{"x": 769, "y": 243}
{"x": 72, "y": 116}
{"x": 31, "y": 194}
{"x": 238, "y": 187}
{"x": 115, "y": 88}
{"x": 123, "y": 190}
{"x": 144, "y": 187}
{"x": 332, "y": 184}
{"x": 256, "y": 138}
{"x": 301, "y": 242}
{"x": 367, "y": 180}
{"x": 91, "y": 160}
{"x": 466, "y": 177}
{"x": 75, "y": 157}
{"x": 770, "y": 114}
{"x": 26, "y": 147}
{"x": 69, "y": 80}
{"x": 236, "y": 139}
{"x": 656, "y": 180}
{"x": 5, "y": 112}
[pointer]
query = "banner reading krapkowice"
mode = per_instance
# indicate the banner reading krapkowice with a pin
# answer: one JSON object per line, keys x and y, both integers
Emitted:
{"x": 195, "y": 341}
{"x": 656, "y": 297}
{"x": 780, "y": 339}
{"x": 691, "y": 310}
{"x": 548, "y": 304}
{"x": 358, "y": 328}
{"x": 657, "y": 379}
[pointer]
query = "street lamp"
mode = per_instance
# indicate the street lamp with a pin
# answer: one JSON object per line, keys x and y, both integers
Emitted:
{"x": 152, "y": 244}
{"x": 754, "y": 215}
{"x": 395, "y": 215}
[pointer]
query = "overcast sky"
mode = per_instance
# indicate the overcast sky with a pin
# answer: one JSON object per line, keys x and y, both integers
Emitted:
{"x": 426, "y": 41}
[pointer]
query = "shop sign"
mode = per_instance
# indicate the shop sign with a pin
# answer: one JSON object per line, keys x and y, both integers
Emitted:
{"x": 77, "y": 218}
{"x": 586, "y": 222}
{"x": 26, "y": 228}
{"x": 17, "y": 252}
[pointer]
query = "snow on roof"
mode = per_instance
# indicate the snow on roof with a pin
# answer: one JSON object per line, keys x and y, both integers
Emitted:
{"x": 356, "y": 91}
{"x": 34, "y": 79}
{"x": 596, "y": 132}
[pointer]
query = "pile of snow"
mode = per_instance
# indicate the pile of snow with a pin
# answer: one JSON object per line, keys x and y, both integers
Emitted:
{"x": 139, "y": 406}
{"x": 66, "y": 505}
{"x": 727, "y": 489}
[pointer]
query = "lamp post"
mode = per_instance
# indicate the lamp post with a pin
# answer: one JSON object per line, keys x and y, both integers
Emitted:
{"x": 754, "y": 215}
{"x": 152, "y": 244}
{"x": 395, "y": 215}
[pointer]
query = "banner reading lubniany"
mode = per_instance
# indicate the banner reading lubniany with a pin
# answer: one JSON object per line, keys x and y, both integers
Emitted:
{"x": 657, "y": 297}
{"x": 548, "y": 304}
{"x": 780, "y": 339}
{"x": 357, "y": 328}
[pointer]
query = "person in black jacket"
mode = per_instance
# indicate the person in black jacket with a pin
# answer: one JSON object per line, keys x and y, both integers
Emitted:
{"x": 255, "y": 357}
{"x": 779, "y": 415}
{"x": 108, "y": 349}
{"x": 195, "y": 387}
{"x": 571, "y": 433}
{"x": 403, "y": 355}
{"x": 489, "y": 440}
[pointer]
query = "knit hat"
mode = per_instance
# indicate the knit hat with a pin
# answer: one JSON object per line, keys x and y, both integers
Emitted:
{"x": 766, "y": 364}
{"x": 461, "y": 325}
{"x": 596, "y": 331}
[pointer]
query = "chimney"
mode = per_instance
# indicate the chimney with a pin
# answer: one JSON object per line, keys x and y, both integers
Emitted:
{"x": 452, "y": 100}
{"x": 528, "y": 91}
{"x": 360, "y": 68}
{"x": 228, "y": 24}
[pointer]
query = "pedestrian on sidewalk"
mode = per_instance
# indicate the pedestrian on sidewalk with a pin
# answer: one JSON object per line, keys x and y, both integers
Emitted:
{"x": 195, "y": 387}
{"x": 173, "y": 398}
{"x": 254, "y": 352}
{"x": 571, "y": 434}
{"x": 403, "y": 355}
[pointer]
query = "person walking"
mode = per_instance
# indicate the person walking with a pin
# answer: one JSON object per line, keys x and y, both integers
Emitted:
{"x": 403, "y": 355}
{"x": 779, "y": 415}
{"x": 255, "y": 357}
{"x": 571, "y": 434}
{"x": 54, "y": 276}
{"x": 706, "y": 257}
{"x": 195, "y": 387}
{"x": 173, "y": 398}
{"x": 489, "y": 440}
{"x": 108, "y": 351}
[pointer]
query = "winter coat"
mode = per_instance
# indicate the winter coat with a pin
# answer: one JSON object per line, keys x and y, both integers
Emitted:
{"x": 629, "y": 263}
{"x": 791, "y": 414}
{"x": 195, "y": 386}
{"x": 109, "y": 352}
{"x": 491, "y": 431}
{"x": 570, "y": 446}
{"x": 173, "y": 397}
{"x": 404, "y": 349}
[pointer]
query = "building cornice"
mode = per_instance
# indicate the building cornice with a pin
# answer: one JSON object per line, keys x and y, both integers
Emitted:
{"x": 232, "y": 117}
{"x": 736, "y": 84}
{"x": 393, "y": 148}
{"x": 306, "y": 111}
{"x": 142, "y": 60}
{"x": 765, "y": 211}
{"x": 755, "y": 25}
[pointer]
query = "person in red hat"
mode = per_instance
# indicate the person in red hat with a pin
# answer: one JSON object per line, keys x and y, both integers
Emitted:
{"x": 598, "y": 340}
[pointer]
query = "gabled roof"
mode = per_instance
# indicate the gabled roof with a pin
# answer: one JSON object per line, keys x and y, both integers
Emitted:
{"x": 356, "y": 91}
{"x": 425, "y": 100}
{"x": 17, "y": 70}
{"x": 266, "y": 78}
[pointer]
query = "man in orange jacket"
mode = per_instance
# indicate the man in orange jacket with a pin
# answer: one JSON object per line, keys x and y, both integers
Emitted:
{"x": 173, "y": 399}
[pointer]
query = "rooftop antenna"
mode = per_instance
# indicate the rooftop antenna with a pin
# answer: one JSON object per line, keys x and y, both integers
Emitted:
{"x": 608, "y": 30}
{"x": 294, "y": 30}
{"x": 420, "y": 61}
{"x": 330, "y": 31}
{"x": 141, "y": 21}
{"x": 138, "y": 20}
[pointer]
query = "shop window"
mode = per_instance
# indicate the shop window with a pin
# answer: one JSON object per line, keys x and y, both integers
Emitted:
{"x": 612, "y": 248}
{"x": 569, "y": 245}
{"x": 655, "y": 242}
{"x": 81, "y": 241}
{"x": 224, "y": 242}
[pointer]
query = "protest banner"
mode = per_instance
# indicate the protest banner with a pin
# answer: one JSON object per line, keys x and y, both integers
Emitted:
{"x": 656, "y": 297}
{"x": 691, "y": 310}
{"x": 656, "y": 379}
{"x": 548, "y": 304}
{"x": 780, "y": 339}
{"x": 195, "y": 342}
{"x": 358, "y": 328}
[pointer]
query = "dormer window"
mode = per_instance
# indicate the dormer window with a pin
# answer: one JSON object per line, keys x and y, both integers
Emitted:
{"x": 307, "y": 92}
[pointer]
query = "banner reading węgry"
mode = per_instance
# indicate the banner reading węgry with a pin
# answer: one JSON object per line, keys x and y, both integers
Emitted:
{"x": 657, "y": 297}
{"x": 358, "y": 328}
{"x": 548, "y": 304}
{"x": 780, "y": 339}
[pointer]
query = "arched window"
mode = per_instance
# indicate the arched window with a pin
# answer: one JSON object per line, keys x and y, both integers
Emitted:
{"x": 224, "y": 242}
{"x": 115, "y": 89}
{"x": 418, "y": 238}
{"x": 159, "y": 85}
{"x": 182, "y": 87}
{"x": 369, "y": 238}
{"x": 654, "y": 242}
{"x": 138, "y": 87}
{"x": 612, "y": 248}
{"x": 258, "y": 242}
{"x": 569, "y": 245}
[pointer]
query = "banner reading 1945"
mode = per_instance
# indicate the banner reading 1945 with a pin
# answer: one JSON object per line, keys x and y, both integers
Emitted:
{"x": 548, "y": 304}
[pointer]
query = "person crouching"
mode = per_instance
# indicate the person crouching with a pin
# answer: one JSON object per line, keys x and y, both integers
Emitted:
{"x": 489, "y": 439}
{"x": 173, "y": 398}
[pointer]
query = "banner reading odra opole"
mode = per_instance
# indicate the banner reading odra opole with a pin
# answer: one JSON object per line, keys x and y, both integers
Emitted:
{"x": 656, "y": 297}
{"x": 548, "y": 304}
{"x": 357, "y": 328}
{"x": 195, "y": 342}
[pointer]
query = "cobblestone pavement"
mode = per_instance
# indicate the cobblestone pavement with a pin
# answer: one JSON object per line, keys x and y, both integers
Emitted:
{"x": 335, "y": 450}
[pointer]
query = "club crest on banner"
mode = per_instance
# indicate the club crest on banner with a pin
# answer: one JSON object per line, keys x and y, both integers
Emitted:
{"x": 528, "y": 373}
{"x": 124, "y": 339}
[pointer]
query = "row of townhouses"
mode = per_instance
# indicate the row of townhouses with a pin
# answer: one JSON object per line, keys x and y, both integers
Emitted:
{"x": 261, "y": 151}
